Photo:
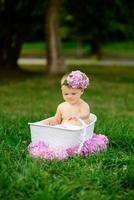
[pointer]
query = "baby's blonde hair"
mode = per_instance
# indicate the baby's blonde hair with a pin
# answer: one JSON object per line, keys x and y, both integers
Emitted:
{"x": 64, "y": 78}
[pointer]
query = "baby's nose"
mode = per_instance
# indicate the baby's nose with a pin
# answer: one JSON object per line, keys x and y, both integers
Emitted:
{"x": 69, "y": 96}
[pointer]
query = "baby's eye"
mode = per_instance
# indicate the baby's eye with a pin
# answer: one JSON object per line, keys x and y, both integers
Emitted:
{"x": 73, "y": 93}
{"x": 66, "y": 94}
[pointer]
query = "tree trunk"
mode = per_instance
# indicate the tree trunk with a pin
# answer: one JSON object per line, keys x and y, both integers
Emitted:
{"x": 96, "y": 48}
{"x": 55, "y": 61}
{"x": 9, "y": 35}
{"x": 12, "y": 35}
{"x": 2, "y": 61}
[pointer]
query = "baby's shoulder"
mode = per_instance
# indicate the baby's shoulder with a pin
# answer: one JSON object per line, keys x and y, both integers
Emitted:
{"x": 84, "y": 104}
{"x": 61, "y": 105}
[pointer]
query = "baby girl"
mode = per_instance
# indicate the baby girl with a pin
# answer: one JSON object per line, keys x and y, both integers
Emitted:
{"x": 73, "y": 86}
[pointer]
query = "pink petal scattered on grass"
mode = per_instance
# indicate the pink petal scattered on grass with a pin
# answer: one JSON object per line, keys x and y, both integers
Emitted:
{"x": 41, "y": 150}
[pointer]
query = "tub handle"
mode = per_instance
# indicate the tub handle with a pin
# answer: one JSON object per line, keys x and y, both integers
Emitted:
{"x": 84, "y": 133}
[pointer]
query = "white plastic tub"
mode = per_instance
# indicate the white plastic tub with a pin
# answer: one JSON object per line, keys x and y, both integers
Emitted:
{"x": 57, "y": 136}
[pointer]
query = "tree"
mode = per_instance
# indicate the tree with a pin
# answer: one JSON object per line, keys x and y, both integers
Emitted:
{"x": 97, "y": 22}
{"x": 16, "y": 18}
{"x": 55, "y": 61}
{"x": 14, "y": 24}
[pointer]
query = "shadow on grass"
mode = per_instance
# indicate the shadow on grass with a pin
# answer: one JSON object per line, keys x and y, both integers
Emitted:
{"x": 9, "y": 75}
{"x": 105, "y": 73}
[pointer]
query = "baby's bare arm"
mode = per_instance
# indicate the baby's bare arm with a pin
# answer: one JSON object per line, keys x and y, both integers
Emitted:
{"x": 84, "y": 115}
{"x": 84, "y": 111}
{"x": 58, "y": 115}
{"x": 55, "y": 120}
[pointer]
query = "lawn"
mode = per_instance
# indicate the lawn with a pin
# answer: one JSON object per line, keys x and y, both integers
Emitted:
{"x": 108, "y": 175}
{"x": 119, "y": 49}
{"x": 38, "y": 49}
{"x": 76, "y": 49}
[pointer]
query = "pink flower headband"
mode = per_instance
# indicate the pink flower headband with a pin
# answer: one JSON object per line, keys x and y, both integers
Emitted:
{"x": 77, "y": 79}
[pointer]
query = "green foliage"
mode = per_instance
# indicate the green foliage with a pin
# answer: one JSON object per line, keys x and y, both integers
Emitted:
{"x": 108, "y": 20}
{"x": 96, "y": 23}
{"x": 106, "y": 176}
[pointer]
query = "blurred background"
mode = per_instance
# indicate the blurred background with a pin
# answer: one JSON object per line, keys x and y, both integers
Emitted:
{"x": 39, "y": 40}
{"x": 61, "y": 32}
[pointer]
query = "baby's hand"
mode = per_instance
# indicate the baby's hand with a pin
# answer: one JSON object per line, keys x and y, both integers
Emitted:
{"x": 51, "y": 122}
{"x": 71, "y": 117}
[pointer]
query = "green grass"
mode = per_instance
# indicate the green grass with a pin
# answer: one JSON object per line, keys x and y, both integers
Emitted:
{"x": 120, "y": 49}
{"x": 129, "y": 45}
{"x": 32, "y": 49}
{"x": 106, "y": 176}
{"x": 71, "y": 48}
{"x": 75, "y": 48}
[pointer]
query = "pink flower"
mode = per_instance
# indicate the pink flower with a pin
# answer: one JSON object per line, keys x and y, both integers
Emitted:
{"x": 77, "y": 79}
{"x": 43, "y": 151}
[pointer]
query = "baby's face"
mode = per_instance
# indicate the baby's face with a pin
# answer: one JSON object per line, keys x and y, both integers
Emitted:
{"x": 71, "y": 95}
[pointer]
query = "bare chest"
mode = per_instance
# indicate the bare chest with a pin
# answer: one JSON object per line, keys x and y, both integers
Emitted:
{"x": 70, "y": 111}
